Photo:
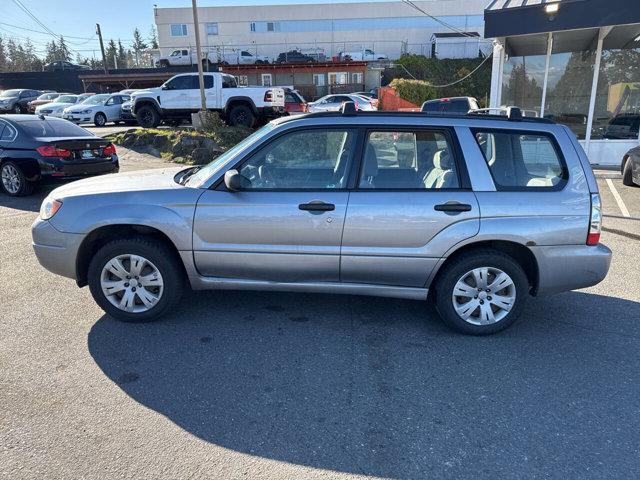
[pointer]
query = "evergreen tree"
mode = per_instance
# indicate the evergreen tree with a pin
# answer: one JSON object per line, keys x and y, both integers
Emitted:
{"x": 63, "y": 52}
{"x": 122, "y": 56}
{"x": 3, "y": 56}
{"x": 111, "y": 54}
{"x": 153, "y": 37}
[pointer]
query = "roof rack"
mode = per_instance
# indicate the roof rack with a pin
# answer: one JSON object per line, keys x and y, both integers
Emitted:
{"x": 512, "y": 113}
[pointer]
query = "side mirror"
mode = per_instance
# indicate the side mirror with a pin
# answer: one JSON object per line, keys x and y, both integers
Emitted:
{"x": 234, "y": 181}
{"x": 167, "y": 87}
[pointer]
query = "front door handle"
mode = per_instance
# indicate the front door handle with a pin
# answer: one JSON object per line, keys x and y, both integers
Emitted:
{"x": 317, "y": 207}
{"x": 453, "y": 207}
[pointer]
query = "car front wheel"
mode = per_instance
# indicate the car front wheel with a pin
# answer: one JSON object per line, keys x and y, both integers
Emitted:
{"x": 135, "y": 280}
{"x": 481, "y": 292}
{"x": 100, "y": 119}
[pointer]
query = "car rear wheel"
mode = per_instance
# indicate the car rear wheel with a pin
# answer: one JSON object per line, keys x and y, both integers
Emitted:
{"x": 100, "y": 119}
{"x": 13, "y": 181}
{"x": 241, "y": 115}
{"x": 481, "y": 292}
{"x": 17, "y": 109}
{"x": 136, "y": 279}
{"x": 627, "y": 173}
{"x": 148, "y": 117}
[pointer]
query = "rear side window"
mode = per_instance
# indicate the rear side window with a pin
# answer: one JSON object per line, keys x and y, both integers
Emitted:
{"x": 402, "y": 160}
{"x": 522, "y": 160}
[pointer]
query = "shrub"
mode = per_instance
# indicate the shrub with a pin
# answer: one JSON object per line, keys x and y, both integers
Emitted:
{"x": 414, "y": 91}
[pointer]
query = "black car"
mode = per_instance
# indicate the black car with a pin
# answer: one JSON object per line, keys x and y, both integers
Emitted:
{"x": 294, "y": 56}
{"x": 630, "y": 167}
{"x": 64, "y": 65}
{"x": 41, "y": 149}
{"x": 454, "y": 105}
{"x": 17, "y": 100}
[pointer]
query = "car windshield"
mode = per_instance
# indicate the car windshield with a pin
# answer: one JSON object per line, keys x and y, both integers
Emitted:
{"x": 10, "y": 93}
{"x": 197, "y": 179}
{"x": 67, "y": 99}
{"x": 96, "y": 99}
{"x": 53, "y": 128}
{"x": 48, "y": 96}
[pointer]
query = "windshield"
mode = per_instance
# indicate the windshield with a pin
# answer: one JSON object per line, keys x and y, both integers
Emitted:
{"x": 48, "y": 96}
{"x": 96, "y": 99}
{"x": 67, "y": 99}
{"x": 10, "y": 94}
{"x": 197, "y": 179}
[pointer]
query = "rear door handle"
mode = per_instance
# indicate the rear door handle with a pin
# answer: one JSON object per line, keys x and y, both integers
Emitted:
{"x": 317, "y": 207}
{"x": 453, "y": 207}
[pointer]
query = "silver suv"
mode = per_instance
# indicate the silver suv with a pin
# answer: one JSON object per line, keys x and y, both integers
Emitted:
{"x": 478, "y": 210}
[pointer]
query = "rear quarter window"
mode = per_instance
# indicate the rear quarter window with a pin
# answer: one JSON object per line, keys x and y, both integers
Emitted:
{"x": 520, "y": 160}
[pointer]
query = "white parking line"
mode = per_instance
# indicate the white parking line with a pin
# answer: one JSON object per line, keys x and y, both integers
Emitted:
{"x": 616, "y": 195}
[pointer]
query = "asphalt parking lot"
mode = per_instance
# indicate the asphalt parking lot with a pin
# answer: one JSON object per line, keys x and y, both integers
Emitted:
{"x": 274, "y": 385}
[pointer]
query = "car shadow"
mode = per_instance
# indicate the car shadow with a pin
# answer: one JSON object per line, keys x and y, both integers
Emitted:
{"x": 380, "y": 387}
{"x": 29, "y": 203}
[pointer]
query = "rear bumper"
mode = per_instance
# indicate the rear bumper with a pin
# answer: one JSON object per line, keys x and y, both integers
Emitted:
{"x": 59, "y": 170}
{"x": 272, "y": 112}
{"x": 56, "y": 251}
{"x": 569, "y": 267}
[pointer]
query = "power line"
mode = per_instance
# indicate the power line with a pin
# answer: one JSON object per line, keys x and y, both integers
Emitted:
{"x": 440, "y": 21}
{"x": 44, "y": 33}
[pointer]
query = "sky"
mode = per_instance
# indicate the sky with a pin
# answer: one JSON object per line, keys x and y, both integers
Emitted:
{"x": 77, "y": 18}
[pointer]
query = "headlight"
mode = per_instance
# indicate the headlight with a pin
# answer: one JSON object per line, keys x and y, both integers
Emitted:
{"x": 49, "y": 208}
{"x": 86, "y": 111}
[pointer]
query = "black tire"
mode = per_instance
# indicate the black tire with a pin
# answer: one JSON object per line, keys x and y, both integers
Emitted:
{"x": 627, "y": 174}
{"x": 241, "y": 115}
{"x": 100, "y": 120}
{"x": 156, "y": 252}
{"x": 148, "y": 117}
{"x": 453, "y": 271}
{"x": 17, "y": 109}
{"x": 25, "y": 187}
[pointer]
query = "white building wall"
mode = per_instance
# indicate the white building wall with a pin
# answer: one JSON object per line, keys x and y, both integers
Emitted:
{"x": 386, "y": 27}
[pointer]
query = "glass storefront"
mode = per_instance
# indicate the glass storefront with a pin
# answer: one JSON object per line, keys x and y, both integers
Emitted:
{"x": 522, "y": 81}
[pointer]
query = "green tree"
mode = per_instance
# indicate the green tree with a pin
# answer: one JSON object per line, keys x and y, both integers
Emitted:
{"x": 111, "y": 54}
{"x": 62, "y": 50}
{"x": 153, "y": 37}
{"x": 3, "y": 56}
{"x": 122, "y": 56}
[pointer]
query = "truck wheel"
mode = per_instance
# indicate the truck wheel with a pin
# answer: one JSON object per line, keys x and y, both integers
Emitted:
{"x": 135, "y": 279}
{"x": 481, "y": 292}
{"x": 148, "y": 117}
{"x": 241, "y": 115}
{"x": 164, "y": 63}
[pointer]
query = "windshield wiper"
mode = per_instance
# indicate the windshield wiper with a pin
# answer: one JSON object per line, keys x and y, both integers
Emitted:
{"x": 187, "y": 174}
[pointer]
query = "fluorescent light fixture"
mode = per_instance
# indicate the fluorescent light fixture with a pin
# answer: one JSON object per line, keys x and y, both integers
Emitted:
{"x": 551, "y": 7}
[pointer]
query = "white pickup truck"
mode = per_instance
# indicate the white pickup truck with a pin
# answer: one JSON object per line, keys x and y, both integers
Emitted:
{"x": 362, "y": 55}
{"x": 179, "y": 96}
{"x": 187, "y": 56}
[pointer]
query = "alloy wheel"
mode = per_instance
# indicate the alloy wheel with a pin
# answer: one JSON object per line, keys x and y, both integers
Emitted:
{"x": 484, "y": 296}
{"x": 132, "y": 283}
{"x": 11, "y": 179}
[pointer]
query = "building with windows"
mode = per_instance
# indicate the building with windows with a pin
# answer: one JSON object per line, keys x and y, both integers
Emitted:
{"x": 574, "y": 61}
{"x": 386, "y": 28}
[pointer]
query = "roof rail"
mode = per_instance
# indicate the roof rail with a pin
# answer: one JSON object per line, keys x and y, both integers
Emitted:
{"x": 348, "y": 108}
{"x": 512, "y": 113}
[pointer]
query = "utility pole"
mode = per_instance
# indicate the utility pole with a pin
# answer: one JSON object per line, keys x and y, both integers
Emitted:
{"x": 104, "y": 57}
{"x": 199, "y": 56}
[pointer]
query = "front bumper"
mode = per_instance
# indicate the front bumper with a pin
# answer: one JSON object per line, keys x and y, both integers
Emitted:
{"x": 78, "y": 118}
{"x": 127, "y": 115}
{"x": 56, "y": 251}
{"x": 569, "y": 267}
{"x": 6, "y": 109}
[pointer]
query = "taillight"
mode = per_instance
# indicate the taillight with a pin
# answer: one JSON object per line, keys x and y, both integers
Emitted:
{"x": 51, "y": 151}
{"x": 109, "y": 150}
{"x": 595, "y": 222}
{"x": 268, "y": 96}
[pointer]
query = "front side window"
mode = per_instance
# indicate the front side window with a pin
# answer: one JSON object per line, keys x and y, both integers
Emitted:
{"x": 185, "y": 82}
{"x": 522, "y": 160}
{"x": 402, "y": 160}
{"x": 305, "y": 159}
{"x": 178, "y": 30}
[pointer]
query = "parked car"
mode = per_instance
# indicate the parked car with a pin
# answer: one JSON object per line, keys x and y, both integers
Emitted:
{"x": 624, "y": 126}
{"x": 126, "y": 113}
{"x": 38, "y": 150}
{"x": 301, "y": 205}
{"x": 55, "y": 109}
{"x": 17, "y": 100}
{"x": 179, "y": 96}
{"x": 630, "y": 167}
{"x": 333, "y": 103}
{"x": 460, "y": 105}
{"x": 362, "y": 55}
{"x": 64, "y": 65}
{"x": 294, "y": 102}
{"x": 242, "y": 57}
{"x": 42, "y": 100}
{"x": 294, "y": 56}
{"x": 97, "y": 109}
